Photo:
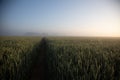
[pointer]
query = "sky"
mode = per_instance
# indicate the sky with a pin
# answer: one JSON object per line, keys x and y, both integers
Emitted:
{"x": 61, "y": 17}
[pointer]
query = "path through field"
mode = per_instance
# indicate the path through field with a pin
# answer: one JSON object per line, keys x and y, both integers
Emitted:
{"x": 38, "y": 72}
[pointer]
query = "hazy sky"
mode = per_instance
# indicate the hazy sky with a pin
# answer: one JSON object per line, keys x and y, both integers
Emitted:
{"x": 65, "y": 17}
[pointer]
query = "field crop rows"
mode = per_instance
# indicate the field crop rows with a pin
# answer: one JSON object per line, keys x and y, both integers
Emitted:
{"x": 17, "y": 55}
{"x": 66, "y": 58}
{"x": 83, "y": 59}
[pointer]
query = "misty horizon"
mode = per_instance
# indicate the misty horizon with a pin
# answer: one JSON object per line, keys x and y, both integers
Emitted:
{"x": 61, "y": 18}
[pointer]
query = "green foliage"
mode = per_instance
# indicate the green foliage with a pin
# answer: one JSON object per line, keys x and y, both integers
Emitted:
{"x": 17, "y": 55}
{"x": 66, "y": 58}
{"x": 83, "y": 59}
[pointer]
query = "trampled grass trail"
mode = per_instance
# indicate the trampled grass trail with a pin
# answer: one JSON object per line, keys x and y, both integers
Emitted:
{"x": 38, "y": 71}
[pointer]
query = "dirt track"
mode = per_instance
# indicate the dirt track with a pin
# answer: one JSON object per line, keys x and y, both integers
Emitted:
{"x": 38, "y": 71}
